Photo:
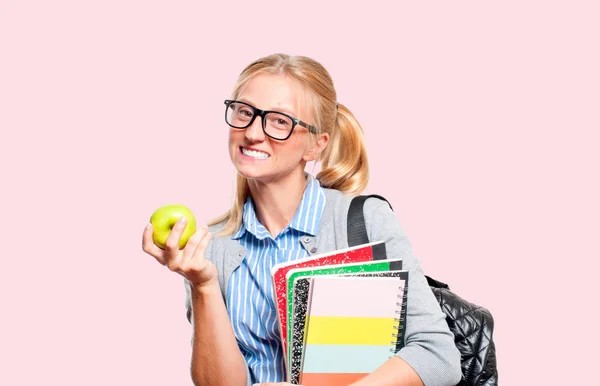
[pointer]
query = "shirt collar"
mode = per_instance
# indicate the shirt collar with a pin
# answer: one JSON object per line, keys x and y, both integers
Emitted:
{"x": 308, "y": 214}
{"x": 250, "y": 223}
{"x": 306, "y": 219}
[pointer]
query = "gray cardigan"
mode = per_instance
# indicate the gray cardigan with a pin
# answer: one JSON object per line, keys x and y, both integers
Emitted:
{"x": 429, "y": 345}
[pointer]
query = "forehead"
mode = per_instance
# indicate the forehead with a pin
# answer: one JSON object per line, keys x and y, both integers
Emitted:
{"x": 275, "y": 92}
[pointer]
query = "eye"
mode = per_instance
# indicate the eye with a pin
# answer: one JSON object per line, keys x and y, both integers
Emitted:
{"x": 246, "y": 111}
{"x": 280, "y": 122}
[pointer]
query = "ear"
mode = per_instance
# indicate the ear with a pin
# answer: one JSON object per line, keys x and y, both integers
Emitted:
{"x": 317, "y": 147}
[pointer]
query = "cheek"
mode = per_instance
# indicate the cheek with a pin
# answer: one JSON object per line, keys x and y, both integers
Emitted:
{"x": 235, "y": 137}
{"x": 232, "y": 144}
{"x": 298, "y": 146}
{"x": 289, "y": 152}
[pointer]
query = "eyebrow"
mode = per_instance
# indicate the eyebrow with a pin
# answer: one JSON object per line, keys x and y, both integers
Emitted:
{"x": 280, "y": 110}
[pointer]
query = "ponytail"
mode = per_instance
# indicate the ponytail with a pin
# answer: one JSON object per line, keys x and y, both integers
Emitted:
{"x": 344, "y": 162}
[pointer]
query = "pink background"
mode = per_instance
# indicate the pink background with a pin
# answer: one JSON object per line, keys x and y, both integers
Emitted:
{"x": 482, "y": 122}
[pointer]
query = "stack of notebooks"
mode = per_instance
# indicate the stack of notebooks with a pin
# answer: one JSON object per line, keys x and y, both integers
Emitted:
{"x": 341, "y": 315}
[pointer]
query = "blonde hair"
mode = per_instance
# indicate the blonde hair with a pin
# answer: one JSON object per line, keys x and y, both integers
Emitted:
{"x": 344, "y": 164}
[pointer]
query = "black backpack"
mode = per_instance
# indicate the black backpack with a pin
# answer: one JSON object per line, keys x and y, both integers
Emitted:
{"x": 472, "y": 325}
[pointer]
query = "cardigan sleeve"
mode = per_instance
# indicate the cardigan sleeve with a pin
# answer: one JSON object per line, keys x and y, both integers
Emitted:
{"x": 429, "y": 345}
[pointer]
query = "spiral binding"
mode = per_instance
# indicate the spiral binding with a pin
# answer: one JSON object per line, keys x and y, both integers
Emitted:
{"x": 398, "y": 336}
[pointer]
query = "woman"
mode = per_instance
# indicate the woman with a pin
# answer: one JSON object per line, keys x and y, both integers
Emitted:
{"x": 282, "y": 114}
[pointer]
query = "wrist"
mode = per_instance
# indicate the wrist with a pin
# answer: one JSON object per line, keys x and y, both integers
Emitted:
{"x": 210, "y": 288}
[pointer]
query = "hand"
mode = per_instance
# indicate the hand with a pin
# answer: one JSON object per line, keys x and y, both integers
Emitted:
{"x": 188, "y": 262}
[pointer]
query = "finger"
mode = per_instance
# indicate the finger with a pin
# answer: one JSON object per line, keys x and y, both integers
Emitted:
{"x": 193, "y": 242}
{"x": 172, "y": 252}
{"x": 149, "y": 247}
{"x": 172, "y": 243}
{"x": 202, "y": 232}
{"x": 197, "y": 260}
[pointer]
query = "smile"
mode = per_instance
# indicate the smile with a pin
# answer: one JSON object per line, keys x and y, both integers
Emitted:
{"x": 254, "y": 153}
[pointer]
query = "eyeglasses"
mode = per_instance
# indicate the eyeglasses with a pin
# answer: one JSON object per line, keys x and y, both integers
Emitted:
{"x": 276, "y": 125}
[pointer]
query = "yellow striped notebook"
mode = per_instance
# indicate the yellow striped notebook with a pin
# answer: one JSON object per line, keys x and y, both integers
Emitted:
{"x": 353, "y": 326}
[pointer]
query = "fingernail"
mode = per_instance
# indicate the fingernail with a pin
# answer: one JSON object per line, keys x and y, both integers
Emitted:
{"x": 182, "y": 220}
{"x": 148, "y": 226}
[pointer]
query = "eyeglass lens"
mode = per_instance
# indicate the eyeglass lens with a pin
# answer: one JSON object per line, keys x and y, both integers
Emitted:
{"x": 276, "y": 125}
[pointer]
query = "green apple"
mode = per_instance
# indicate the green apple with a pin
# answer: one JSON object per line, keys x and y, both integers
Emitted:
{"x": 163, "y": 220}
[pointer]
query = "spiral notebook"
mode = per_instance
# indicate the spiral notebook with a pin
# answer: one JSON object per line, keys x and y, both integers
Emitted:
{"x": 341, "y": 269}
{"x": 300, "y": 290}
{"x": 353, "y": 326}
{"x": 366, "y": 252}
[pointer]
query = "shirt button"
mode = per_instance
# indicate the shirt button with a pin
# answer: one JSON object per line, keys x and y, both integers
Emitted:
{"x": 313, "y": 250}
{"x": 306, "y": 240}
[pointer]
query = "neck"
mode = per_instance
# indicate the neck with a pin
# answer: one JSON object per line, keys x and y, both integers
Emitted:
{"x": 275, "y": 203}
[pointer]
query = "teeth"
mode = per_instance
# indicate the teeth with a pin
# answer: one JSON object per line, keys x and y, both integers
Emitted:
{"x": 255, "y": 154}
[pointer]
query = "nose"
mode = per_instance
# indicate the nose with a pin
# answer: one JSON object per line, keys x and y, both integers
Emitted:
{"x": 254, "y": 132}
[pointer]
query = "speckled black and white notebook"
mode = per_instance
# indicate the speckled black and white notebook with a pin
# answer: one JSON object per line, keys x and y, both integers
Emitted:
{"x": 299, "y": 304}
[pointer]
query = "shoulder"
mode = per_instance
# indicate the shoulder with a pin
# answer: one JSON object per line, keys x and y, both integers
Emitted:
{"x": 222, "y": 247}
{"x": 379, "y": 217}
{"x": 383, "y": 224}
{"x": 336, "y": 201}
{"x": 376, "y": 211}
{"x": 335, "y": 212}
{"x": 380, "y": 220}
{"x": 216, "y": 228}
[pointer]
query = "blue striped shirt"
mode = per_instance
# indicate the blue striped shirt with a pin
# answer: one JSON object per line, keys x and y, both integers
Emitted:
{"x": 251, "y": 304}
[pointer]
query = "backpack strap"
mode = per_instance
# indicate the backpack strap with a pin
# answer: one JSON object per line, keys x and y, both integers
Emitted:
{"x": 357, "y": 229}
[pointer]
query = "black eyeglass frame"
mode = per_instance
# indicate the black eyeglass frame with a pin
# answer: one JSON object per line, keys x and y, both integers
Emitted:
{"x": 262, "y": 114}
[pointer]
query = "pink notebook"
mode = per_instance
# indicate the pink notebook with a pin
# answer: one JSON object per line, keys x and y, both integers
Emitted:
{"x": 366, "y": 252}
{"x": 354, "y": 324}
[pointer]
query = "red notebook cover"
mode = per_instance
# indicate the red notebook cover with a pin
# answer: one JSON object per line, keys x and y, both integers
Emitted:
{"x": 366, "y": 252}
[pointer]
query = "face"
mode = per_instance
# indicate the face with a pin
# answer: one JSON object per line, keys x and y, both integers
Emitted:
{"x": 259, "y": 157}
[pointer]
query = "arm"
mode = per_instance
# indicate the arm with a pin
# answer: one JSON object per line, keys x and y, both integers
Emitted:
{"x": 429, "y": 352}
{"x": 393, "y": 372}
{"x": 216, "y": 358}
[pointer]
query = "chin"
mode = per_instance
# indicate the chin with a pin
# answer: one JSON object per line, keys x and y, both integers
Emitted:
{"x": 250, "y": 172}
{"x": 261, "y": 173}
